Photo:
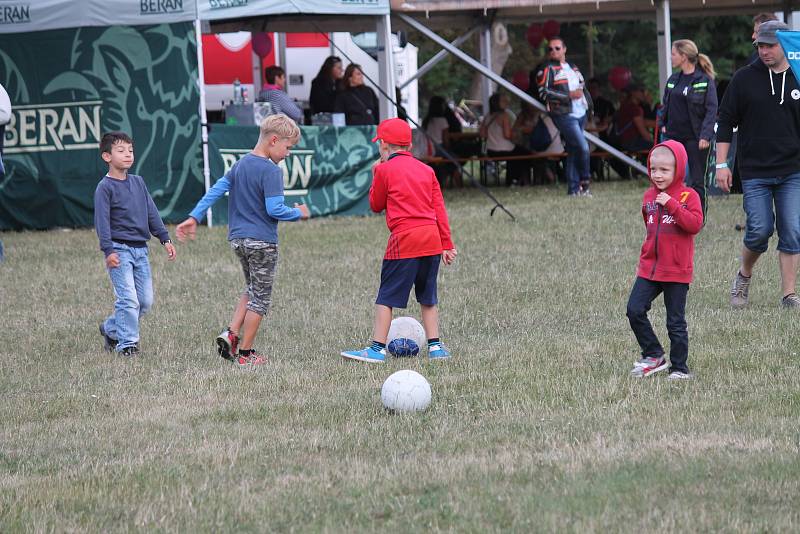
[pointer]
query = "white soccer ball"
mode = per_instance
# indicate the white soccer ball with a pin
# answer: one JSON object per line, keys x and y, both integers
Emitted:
{"x": 406, "y": 391}
{"x": 404, "y": 334}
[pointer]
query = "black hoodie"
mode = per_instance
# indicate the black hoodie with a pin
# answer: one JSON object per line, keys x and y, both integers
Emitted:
{"x": 766, "y": 108}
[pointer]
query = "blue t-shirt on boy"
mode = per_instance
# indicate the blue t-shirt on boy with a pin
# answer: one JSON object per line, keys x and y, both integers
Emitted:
{"x": 255, "y": 199}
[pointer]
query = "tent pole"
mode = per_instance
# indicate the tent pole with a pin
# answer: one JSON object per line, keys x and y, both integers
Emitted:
{"x": 383, "y": 27}
{"x": 203, "y": 119}
{"x": 487, "y": 88}
{"x": 664, "y": 42}
{"x": 513, "y": 89}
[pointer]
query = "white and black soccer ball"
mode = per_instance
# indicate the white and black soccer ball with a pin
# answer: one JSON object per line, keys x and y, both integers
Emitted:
{"x": 406, "y": 337}
{"x": 406, "y": 391}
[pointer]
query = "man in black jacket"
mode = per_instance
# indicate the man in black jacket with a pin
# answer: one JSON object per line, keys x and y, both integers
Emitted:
{"x": 763, "y": 100}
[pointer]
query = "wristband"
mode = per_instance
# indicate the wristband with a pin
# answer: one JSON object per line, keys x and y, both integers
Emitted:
{"x": 722, "y": 165}
{"x": 166, "y": 241}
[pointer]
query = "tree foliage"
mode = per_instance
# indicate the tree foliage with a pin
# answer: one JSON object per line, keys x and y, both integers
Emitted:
{"x": 726, "y": 40}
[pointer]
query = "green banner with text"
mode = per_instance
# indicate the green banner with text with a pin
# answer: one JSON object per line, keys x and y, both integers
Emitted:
{"x": 67, "y": 87}
{"x": 330, "y": 168}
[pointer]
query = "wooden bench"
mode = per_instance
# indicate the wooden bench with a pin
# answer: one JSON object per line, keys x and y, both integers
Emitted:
{"x": 483, "y": 161}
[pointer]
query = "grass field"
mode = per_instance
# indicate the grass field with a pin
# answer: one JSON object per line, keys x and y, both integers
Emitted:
{"x": 535, "y": 424}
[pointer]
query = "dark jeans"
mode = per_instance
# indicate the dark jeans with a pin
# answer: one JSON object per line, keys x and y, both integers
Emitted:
{"x": 643, "y": 294}
{"x": 577, "y": 166}
{"x": 519, "y": 170}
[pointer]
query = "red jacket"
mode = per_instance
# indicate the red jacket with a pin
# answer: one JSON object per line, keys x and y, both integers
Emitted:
{"x": 668, "y": 249}
{"x": 409, "y": 192}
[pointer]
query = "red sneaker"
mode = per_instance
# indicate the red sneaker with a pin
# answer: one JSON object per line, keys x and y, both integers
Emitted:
{"x": 254, "y": 358}
{"x": 227, "y": 344}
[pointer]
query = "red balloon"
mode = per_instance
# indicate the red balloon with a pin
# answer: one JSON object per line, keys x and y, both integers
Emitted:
{"x": 521, "y": 80}
{"x": 535, "y": 35}
{"x": 551, "y": 29}
{"x": 262, "y": 44}
{"x": 619, "y": 77}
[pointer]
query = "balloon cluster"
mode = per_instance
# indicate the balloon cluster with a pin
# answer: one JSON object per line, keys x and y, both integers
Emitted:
{"x": 538, "y": 32}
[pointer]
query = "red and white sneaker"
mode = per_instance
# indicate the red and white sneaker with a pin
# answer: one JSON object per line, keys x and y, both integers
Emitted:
{"x": 648, "y": 366}
{"x": 227, "y": 344}
{"x": 249, "y": 360}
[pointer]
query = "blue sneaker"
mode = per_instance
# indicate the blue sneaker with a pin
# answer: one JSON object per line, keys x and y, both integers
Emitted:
{"x": 365, "y": 355}
{"x": 438, "y": 352}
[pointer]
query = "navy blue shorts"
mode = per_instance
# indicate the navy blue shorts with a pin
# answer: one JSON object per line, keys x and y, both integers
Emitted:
{"x": 397, "y": 277}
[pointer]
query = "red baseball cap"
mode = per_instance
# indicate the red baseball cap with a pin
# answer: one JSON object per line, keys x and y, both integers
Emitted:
{"x": 394, "y": 132}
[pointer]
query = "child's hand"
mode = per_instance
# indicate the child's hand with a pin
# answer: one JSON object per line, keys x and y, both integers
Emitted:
{"x": 304, "y": 213}
{"x": 448, "y": 256}
{"x": 663, "y": 198}
{"x": 112, "y": 260}
{"x": 187, "y": 228}
{"x": 170, "y": 251}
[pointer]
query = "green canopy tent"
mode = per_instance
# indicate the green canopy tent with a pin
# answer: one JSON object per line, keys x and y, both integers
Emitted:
{"x": 76, "y": 68}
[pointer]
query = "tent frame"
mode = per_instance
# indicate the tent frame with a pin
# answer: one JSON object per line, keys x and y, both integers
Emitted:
{"x": 488, "y": 73}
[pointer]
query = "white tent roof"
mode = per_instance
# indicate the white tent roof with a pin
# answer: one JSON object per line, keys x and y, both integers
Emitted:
{"x": 38, "y": 15}
{"x": 450, "y": 13}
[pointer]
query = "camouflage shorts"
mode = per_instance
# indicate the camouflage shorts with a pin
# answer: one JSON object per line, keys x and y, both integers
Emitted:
{"x": 259, "y": 261}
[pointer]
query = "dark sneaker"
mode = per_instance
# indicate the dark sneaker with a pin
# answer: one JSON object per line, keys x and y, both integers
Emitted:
{"x": 740, "y": 291}
{"x": 791, "y": 301}
{"x": 227, "y": 344}
{"x": 130, "y": 352}
{"x": 109, "y": 343}
{"x": 250, "y": 360}
{"x": 680, "y": 375}
{"x": 649, "y": 366}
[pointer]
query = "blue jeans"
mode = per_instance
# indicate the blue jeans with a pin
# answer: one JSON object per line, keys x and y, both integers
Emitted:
{"x": 133, "y": 288}
{"x": 760, "y": 195}
{"x": 643, "y": 294}
{"x": 577, "y": 165}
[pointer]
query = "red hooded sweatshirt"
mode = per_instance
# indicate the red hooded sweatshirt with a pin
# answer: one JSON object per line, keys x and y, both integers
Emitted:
{"x": 668, "y": 249}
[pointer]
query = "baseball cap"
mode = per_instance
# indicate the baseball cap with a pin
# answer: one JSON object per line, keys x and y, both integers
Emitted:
{"x": 394, "y": 132}
{"x": 766, "y": 31}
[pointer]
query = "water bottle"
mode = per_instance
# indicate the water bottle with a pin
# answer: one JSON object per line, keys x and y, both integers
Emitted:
{"x": 237, "y": 91}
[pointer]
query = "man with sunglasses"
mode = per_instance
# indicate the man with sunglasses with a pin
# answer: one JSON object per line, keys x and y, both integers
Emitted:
{"x": 562, "y": 89}
{"x": 763, "y": 100}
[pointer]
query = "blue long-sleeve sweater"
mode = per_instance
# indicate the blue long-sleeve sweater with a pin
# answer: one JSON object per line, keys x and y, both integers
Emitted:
{"x": 260, "y": 183}
{"x": 125, "y": 212}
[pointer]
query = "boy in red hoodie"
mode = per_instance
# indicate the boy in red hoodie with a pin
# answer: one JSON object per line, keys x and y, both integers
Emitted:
{"x": 420, "y": 237}
{"x": 672, "y": 216}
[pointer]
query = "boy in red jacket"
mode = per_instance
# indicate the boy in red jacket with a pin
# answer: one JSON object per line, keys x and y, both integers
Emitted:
{"x": 420, "y": 237}
{"x": 673, "y": 216}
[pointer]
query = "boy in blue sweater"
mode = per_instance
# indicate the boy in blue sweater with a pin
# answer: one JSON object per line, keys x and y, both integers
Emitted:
{"x": 124, "y": 217}
{"x": 255, "y": 205}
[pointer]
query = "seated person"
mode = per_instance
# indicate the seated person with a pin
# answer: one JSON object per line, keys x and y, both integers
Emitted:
{"x": 439, "y": 123}
{"x": 528, "y": 119}
{"x": 630, "y": 131}
{"x": 273, "y": 92}
{"x": 323, "y": 87}
{"x": 496, "y": 129}
{"x": 603, "y": 109}
{"x": 358, "y": 102}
